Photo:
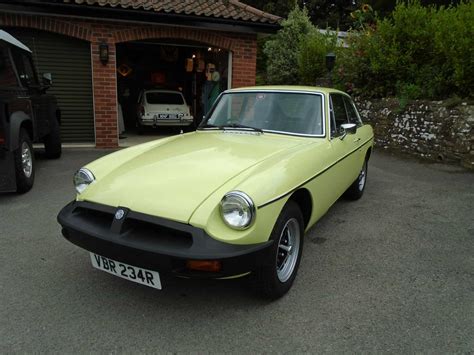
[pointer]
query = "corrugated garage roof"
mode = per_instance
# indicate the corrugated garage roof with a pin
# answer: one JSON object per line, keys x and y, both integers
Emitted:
{"x": 227, "y": 9}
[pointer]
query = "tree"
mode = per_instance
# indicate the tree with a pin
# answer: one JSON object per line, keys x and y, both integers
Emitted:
{"x": 282, "y": 51}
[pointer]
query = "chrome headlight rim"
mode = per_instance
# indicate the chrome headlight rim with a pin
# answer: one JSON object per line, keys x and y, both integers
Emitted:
{"x": 248, "y": 202}
{"x": 83, "y": 177}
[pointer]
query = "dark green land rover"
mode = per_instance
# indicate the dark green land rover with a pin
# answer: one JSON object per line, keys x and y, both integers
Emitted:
{"x": 27, "y": 115}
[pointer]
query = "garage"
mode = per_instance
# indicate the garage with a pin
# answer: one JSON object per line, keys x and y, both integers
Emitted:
{"x": 103, "y": 53}
{"x": 200, "y": 72}
{"x": 69, "y": 62}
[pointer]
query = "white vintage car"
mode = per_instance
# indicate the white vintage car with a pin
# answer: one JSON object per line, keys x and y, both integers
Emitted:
{"x": 162, "y": 108}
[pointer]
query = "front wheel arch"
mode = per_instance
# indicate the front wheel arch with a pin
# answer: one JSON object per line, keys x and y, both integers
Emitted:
{"x": 302, "y": 197}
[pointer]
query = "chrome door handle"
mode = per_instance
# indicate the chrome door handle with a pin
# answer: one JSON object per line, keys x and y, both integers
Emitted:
{"x": 356, "y": 140}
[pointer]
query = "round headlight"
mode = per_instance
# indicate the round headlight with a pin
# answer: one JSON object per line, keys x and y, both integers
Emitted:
{"x": 82, "y": 178}
{"x": 237, "y": 210}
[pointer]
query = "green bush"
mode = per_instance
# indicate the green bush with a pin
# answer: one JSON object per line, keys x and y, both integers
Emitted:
{"x": 312, "y": 55}
{"x": 417, "y": 52}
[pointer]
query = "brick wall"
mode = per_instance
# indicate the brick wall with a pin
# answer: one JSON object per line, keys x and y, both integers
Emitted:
{"x": 242, "y": 46}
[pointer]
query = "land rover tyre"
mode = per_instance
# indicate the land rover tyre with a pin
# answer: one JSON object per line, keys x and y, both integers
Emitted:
{"x": 275, "y": 278}
{"x": 24, "y": 163}
{"x": 52, "y": 142}
{"x": 356, "y": 190}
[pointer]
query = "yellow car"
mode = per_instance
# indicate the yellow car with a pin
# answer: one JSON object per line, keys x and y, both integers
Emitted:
{"x": 234, "y": 197}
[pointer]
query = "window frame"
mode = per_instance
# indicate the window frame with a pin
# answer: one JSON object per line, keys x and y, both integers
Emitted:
{"x": 250, "y": 91}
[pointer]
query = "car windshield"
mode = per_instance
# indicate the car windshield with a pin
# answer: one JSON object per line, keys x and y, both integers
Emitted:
{"x": 164, "y": 98}
{"x": 298, "y": 113}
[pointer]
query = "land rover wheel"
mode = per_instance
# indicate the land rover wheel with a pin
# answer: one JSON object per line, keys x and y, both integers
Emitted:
{"x": 24, "y": 163}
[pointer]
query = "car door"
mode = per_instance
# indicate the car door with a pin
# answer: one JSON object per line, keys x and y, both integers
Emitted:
{"x": 344, "y": 147}
{"x": 29, "y": 81}
{"x": 363, "y": 134}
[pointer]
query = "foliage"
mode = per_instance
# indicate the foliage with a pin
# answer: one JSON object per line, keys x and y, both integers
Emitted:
{"x": 416, "y": 52}
{"x": 312, "y": 55}
{"x": 282, "y": 51}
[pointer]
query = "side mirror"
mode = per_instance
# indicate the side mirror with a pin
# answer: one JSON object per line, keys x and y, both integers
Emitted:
{"x": 349, "y": 128}
{"x": 47, "y": 79}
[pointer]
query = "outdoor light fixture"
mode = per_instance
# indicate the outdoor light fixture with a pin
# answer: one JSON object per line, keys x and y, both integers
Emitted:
{"x": 104, "y": 53}
{"x": 330, "y": 61}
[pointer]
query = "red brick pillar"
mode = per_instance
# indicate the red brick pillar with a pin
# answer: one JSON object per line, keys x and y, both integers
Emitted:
{"x": 244, "y": 62}
{"x": 104, "y": 83}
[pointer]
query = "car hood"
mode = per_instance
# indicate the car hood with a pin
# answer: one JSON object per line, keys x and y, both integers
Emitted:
{"x": 172, "y": 178}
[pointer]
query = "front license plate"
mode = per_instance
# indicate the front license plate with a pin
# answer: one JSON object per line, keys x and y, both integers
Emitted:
{"x": 125, "y": 271}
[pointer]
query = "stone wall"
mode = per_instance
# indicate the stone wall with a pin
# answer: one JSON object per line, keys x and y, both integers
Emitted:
{"x": 432, "y": 130}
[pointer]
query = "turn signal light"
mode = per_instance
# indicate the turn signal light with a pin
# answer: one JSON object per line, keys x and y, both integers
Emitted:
{"x": 204, "y": 265}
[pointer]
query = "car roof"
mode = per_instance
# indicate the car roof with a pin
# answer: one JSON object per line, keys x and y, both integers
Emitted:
{"x": 6, "y": 37}
{"x": 287, "y": 88}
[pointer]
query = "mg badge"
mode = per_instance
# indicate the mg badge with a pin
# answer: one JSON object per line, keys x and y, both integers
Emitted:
{"x": 119, "y": 214}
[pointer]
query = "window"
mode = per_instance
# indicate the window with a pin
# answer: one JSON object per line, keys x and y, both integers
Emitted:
{"x": 338, "y": 114}
{"x": 25, "y": 68}
{"x": 298, "y": 113}
{"x": 7, "y": 71}
{"x": 164, "y": 98}
{"x": 351, "y": 112}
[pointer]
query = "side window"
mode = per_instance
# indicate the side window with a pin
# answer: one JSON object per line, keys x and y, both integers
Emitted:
{"x": 338, "y": 114}
{"x": 7, "y": 71}
{"x": 25, "y": 68}
{"x": 351, "y": 112}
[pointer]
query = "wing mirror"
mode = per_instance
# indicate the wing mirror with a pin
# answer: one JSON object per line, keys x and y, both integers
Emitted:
{"x": 349, "y": 128}
{"x": 47, "y": 79}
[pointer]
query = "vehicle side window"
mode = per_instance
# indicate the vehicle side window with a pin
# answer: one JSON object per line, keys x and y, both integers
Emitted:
{"x": 7, "y": 71}
{"x": 351, "y": 112}
{"x": 25, "y": 68}
{"x": 338, "y": 114}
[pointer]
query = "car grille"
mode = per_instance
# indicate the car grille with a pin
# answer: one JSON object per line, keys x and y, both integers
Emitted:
{"x": 135, "y": 226}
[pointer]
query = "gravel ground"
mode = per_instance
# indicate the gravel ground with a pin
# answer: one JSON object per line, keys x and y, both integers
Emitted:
{"x": 392, "y": 272}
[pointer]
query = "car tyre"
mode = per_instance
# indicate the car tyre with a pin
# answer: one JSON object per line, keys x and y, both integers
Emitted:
{"x": 52, "y": 142}
{"x": 356, "y": 190}
{"x": 275, "y": 278}
{"x": 140, "y": 128}
{"x": 24, "y": 163}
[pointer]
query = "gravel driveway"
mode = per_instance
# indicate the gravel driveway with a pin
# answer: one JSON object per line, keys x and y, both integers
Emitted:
{"x": 392, "y": 272}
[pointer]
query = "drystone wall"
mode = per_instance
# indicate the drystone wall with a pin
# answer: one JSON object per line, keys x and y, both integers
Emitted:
{"x": 432, "y": 130}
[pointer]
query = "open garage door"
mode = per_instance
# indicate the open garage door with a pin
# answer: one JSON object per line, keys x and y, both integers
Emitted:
{"x": 198, "y": 71}
{"x": 69, "y": 61}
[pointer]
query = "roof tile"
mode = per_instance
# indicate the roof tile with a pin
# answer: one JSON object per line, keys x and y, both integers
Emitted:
{"x": 229, "y": 9}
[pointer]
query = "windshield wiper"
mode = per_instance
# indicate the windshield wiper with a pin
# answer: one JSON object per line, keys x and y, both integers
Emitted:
{"x": 209, "y": 125}
{"x": 238, "y": 125}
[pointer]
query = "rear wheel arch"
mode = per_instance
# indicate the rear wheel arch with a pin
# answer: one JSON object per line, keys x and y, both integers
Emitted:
{"x": 303, "y": 199}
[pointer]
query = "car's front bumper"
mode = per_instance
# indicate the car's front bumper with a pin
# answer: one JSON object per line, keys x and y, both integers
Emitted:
{"x": 155, "y": 243}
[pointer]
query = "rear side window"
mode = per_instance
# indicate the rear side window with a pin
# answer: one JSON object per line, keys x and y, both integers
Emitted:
{"x": 7, "y": 71}
{"x": 164, "y": 98}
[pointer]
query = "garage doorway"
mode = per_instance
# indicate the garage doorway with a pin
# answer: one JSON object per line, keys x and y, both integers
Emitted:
{"x": 200, "y": 72}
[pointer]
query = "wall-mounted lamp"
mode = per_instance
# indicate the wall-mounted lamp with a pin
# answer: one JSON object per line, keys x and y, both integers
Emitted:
{"x": 104, "y": 53}
{"x": 330, "y": 61}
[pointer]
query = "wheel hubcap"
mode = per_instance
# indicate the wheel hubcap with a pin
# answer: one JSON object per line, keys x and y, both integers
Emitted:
{"x": 362, "y": 177}
{"x": 288, "y": 249}
{"x": 26, "y": 159}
